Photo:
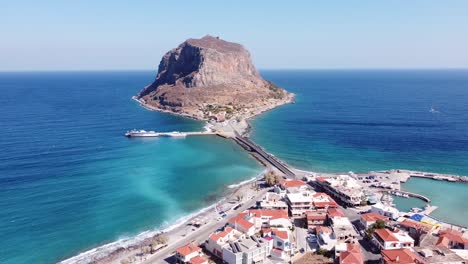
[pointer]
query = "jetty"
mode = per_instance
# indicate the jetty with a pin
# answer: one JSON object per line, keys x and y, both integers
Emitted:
{"x": 259, "y": 153}
{"x": 144, "y": 133}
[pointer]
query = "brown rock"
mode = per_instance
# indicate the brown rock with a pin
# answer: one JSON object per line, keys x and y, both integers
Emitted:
{"x": 203, "y": 77}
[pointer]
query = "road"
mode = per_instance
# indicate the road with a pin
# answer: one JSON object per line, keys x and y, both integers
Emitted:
{"x": 202, "y": 233}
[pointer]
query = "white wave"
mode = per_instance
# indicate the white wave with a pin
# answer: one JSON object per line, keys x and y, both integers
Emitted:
{"x": 107, "y": 249}
{"x": 126, "y": 242}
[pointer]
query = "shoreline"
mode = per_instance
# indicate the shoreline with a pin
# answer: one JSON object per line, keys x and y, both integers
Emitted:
{"x": 113, "y": 252}
{"x": 117, "y": 250}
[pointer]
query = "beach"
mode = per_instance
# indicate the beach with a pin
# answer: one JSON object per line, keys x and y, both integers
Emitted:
{"x": 181, "y": 232}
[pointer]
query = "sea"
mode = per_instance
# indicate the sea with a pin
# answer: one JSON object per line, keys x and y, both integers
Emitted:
{"x": 70, "y": 181}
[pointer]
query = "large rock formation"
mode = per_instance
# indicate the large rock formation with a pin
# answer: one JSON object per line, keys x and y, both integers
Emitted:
{"x": 210, "y": 78}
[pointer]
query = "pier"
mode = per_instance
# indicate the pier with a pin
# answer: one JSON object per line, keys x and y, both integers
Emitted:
{"x": 415, "y": 195}
{"x": 250, "y": 146}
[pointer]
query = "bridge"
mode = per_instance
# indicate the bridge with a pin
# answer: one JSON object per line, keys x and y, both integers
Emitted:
{"x": 250, "y": 146}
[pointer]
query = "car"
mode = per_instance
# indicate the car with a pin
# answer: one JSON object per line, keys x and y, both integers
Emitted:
{"x": 312, "y": 239}
{"x": 219, "y": 218}
{"x": 302, "y": 250}
{"x": 224, "y": 215}
{"x": 237, "y": 206}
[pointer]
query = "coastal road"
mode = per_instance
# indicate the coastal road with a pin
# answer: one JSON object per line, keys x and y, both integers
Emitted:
{"x": 252, "y": 147}
{"x": 202, "y": 233}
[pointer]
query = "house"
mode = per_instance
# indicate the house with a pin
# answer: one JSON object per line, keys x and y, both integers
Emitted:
{"x": 290, "y": 186}
{"x": 281, "y": 243}
{"x": 344, "y": 230}
{"x": 439, "y": 255}
{"x": 400, "y": 256}
{"x": 343, "y": 188}
{"x": 417, "y": 230}
{"x": 273, "y": 201}
{"x": 243, "y": 223}
{"x": 322, "y": 201}
{"x": 352, "y": 254}
{"x": 334, "y": 212}
{"x": 188, "y": 252}
{"x": 249, "y": 250}
{"x": 326, "y": 238}
{"x": 367, "y": 220}
{"x": 217, "y": 240}
{"x": 452, "y": 239}
{"x": 299, "y": 203}
{"x": 316, "y": 218}
{"x": 254, "y": 220}
{"x": 267, "y": 218}
{"x": 386, "y": 239}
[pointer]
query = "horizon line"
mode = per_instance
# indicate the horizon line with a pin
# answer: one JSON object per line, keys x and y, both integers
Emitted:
{"x": 260, "y": 69}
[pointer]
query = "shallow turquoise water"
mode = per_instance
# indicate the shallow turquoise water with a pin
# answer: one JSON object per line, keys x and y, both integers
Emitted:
{"x": 70, "y": 181}
{"x": 367, "y": 120}
{"x": 448, "y": 196}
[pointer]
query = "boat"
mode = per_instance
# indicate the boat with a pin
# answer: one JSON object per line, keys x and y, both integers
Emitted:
{"x": 432, "y": 110}
{"x": 141, "y": 133}
{"x": 176, "y": 134}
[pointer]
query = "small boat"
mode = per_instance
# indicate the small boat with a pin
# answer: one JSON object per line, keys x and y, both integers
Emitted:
{"x": 432, "y": 110}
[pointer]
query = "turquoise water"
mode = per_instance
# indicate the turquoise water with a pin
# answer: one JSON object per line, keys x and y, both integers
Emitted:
{"x": 448, "y": 196}
{"x": 70, "y": 181}
{"x": 367, "y": 120}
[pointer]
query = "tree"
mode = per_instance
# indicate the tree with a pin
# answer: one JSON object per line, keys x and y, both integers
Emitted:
{"x": 271, "y": 178}
{"x": 379, "y": 224}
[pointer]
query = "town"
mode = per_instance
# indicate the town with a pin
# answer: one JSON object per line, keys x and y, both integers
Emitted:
{"x": 322, "y": 219}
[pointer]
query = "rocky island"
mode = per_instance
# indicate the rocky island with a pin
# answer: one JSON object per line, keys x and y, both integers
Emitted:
{"x": 214, "y": 80}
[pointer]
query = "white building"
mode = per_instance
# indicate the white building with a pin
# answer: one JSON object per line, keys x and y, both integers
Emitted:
{"x": 344, "y": 230}
{"x": 326, "y": 238}
{"x": 281, "y": 243}
{"x": 250, "y": 250}
{"x": 290, "y": 186}
{"x": 188, "y": 252}
{"x": 343, "y": 188}
{"x": 218, "y": 240}
{"x": 386, "y": 239}
{"x": 385, "y": 210}
{"x": 273, "y": 201}
{"x": 299, "y": 203}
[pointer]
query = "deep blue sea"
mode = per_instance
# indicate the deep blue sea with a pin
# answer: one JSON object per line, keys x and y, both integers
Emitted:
{"x": 70, "y": 181}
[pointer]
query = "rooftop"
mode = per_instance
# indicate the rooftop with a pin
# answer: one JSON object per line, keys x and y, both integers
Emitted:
{"x": 389, "y": 236}
{"x": 302, "y": 197}
{"x": 447, "y": 235}
{"x": 188, "y": 249}
{"x": 291, "y": 183}
{"x": 374, "y": 217}
{"x": 352, "y": 255}
{"x": 400, "y": 256}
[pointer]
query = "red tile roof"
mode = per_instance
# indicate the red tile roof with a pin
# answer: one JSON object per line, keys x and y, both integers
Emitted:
{"x": 240, "y": 220}
{"x": 281, "y": 234}
{"x": 416, "y": 225}
{"x": 374, "y": 217}
{"x": 400, "y": 256}
{"x": 352, "y": 255}
{"x": 316, "y": 215}
{"x": 323, "y": 229}
{"x": 198, "y": 260}
{"x": 291, "y": 183}
{"x": 188, "y": 249}
{"x": 335, "y": 212}
{"x": 386, "y": 235}
{"x": 447, "y": 235}
{"x": 273, "y": 214}
{"x": 218, "y": 235}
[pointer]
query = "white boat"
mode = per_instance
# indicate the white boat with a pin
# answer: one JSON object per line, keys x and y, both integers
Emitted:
{"x": 141, "y": 133}
{"x": 432, "y": 110}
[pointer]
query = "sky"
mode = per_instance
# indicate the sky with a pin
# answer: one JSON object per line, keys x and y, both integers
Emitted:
{"x": 133, "y": 35}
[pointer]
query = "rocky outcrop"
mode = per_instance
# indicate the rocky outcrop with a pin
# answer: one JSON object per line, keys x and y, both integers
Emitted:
{"x": 210, "y": 78}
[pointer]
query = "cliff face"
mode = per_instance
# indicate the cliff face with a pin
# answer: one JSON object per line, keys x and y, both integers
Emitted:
{"x": 208, "y": 77}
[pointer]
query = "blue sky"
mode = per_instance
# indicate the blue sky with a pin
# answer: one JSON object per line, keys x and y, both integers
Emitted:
{"x": 107, "y": 35}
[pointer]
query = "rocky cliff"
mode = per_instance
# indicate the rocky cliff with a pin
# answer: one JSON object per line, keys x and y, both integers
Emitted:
{"x": 210, "y": 78}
